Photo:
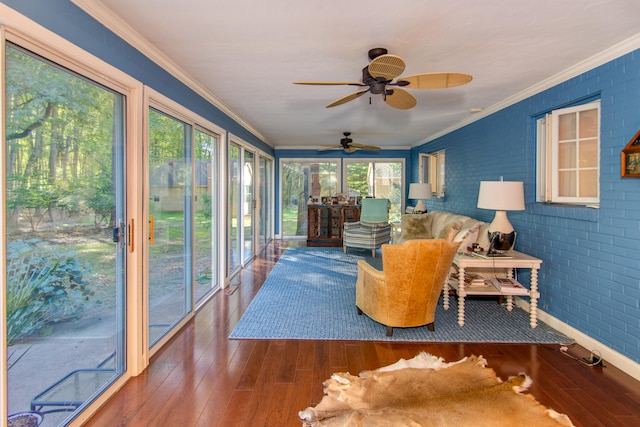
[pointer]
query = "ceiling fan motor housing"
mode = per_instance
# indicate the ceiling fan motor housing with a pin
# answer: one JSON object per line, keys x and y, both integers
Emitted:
{"x": 376, "y": 85}
{"x": 346, "y": 141}
{"x": 377, "y": 51}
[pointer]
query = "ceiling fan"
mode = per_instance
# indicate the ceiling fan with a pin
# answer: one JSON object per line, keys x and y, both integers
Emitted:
{"x": 377, "y": 78}
{"x": 348, "y": 145}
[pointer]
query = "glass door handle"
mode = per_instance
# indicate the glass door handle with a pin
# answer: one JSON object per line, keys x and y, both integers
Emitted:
{"x": 131, "y": 236}
{"x": 151, "y": 230}
{"x": 118, "y": 233}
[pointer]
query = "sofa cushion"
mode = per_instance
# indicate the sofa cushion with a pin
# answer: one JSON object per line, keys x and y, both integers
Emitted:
{"x": 416, "y": 226}
{"x": 444, "y": 225}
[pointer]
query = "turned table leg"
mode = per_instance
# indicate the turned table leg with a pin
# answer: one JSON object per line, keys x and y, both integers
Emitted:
{"x": 461, "y": 295}
{"x": 445, "y": 294}
{"x": 533, "y": 293}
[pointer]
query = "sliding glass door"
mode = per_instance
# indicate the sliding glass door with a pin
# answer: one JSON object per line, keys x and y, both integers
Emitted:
{"x": 169, "y": 248}
{"x": 63, "y": 221}
{"x": 265, "y": 201}
{"x": 299, "y": 180}
{"x": 234, "y": 209}
{"x": 248, "y": 205}
{"x": 206, "y": 208}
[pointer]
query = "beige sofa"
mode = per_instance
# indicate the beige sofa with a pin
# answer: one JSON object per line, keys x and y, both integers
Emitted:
{"x": 443, "y": 225}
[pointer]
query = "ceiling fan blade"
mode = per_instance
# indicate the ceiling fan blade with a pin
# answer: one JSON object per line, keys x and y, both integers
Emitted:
{"x": 387, "y": 66}
{"x": 329, "y": 83}
{"x": 369, "y": 147}
{"x": 436, "y": 80}
{"x": 329, "y": 147}
{"x": 350, "y": 150}
{"x": 400, "y": 99}
{"x": 347, "y": 98}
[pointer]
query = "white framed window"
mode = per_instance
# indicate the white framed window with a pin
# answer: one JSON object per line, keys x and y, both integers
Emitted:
{"x": 568, "y": 155}
{"x": 377, "y": 178}
{"x": 432, "y": 171}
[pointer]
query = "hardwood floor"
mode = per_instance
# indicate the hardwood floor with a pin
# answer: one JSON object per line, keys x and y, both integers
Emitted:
{"x": 201, "y": 378}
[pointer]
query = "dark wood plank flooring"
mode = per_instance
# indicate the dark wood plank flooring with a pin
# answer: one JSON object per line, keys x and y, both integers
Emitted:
{"x": 201, "y": 378}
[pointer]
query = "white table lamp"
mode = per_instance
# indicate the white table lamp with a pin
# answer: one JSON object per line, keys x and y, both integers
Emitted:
{"x": 501, "y": 196}
{"x": 420, "y": 191}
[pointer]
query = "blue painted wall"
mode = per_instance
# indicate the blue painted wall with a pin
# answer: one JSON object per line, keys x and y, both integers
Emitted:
{"x": 590, "y": 276}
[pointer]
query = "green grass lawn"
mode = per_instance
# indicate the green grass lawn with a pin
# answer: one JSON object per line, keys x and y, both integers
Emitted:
{"x": 290, "y": 221}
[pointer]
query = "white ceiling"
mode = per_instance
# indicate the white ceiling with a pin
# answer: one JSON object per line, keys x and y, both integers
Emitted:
{"x": 247, "y": 53}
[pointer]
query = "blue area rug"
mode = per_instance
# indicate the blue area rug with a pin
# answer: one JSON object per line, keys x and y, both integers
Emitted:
{"x": 310, "y": 294}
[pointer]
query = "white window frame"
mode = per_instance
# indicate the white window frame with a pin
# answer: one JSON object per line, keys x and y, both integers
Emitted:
{"x": 547, "y": 144}
{"x": 431, "y": 171}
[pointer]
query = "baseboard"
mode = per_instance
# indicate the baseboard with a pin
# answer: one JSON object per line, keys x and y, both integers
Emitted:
{"x": 611, "y": 356}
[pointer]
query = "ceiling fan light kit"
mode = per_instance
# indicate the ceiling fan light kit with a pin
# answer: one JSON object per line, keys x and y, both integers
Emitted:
{"x": 377, "y": 78}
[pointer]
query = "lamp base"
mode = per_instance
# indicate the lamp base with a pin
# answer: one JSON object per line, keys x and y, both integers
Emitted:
{"x": 420, "y": 207}
{"x": 503, "y": 241}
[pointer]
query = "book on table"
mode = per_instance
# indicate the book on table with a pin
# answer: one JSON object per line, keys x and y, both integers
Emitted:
{"x": 472, "y": 279}
{"x": 509, "y": 286}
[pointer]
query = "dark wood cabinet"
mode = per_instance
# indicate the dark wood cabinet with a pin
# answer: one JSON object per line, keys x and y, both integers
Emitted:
{"x": 325, "y": 223}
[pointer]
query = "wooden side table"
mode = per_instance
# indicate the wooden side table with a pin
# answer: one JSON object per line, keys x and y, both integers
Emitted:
{"x": 517, "y": 260}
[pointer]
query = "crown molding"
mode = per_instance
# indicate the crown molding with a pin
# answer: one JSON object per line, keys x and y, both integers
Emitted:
{"x": 104, "y": 15}
{"x": 616, "y": 51}
{"x": 306, "y": 147}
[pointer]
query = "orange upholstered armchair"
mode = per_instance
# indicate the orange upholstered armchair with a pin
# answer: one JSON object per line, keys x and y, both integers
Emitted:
{"x": 406, "y": 292}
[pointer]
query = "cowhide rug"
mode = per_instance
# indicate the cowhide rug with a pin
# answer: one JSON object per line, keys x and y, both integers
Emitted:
{"x": 426, "y": 391}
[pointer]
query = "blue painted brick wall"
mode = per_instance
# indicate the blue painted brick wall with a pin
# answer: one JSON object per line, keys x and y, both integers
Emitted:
{"x": 590, "y": 276}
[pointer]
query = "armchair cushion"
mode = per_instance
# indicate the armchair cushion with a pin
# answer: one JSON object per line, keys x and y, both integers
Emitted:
{"x": 374, "y": 212}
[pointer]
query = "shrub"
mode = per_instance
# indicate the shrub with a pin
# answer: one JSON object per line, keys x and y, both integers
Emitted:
{"x": 44, "y": 285}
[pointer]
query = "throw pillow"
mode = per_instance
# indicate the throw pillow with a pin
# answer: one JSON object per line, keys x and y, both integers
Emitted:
{"x": 466, "y": 237}
{"x": 416, "y": 227}
{"x": 450, "y": 231}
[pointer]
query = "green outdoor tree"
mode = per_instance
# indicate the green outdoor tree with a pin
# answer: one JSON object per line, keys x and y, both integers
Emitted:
{"x": 55, "y": 128}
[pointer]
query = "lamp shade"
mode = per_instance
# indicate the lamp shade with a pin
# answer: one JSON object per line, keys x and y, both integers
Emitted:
{"x": 501, "y": 195}
{"x": 420, "y": 191}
